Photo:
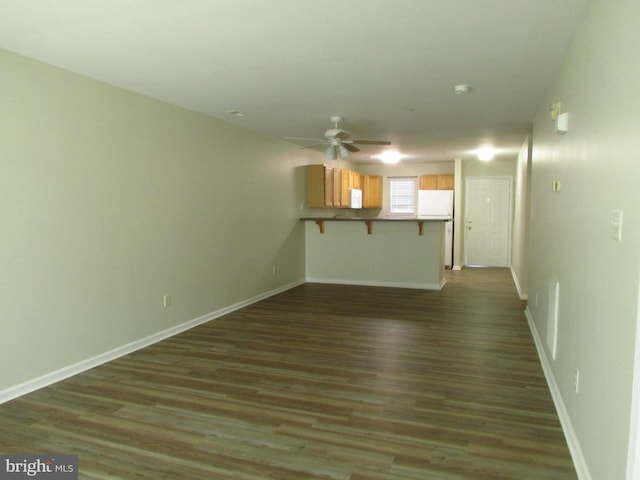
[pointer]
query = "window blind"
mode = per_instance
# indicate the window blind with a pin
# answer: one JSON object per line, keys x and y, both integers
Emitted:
{"x": 402, "y": 192}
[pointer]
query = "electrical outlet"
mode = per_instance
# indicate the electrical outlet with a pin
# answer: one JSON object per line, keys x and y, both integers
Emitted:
{"x": 576, "y": 381}
{"x": 166, "y": 300}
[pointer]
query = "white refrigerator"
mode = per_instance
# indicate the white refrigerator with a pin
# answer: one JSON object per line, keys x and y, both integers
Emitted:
{"x": 438, "y": 205}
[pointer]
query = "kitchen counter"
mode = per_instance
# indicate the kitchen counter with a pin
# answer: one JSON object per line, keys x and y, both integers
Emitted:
{"x": 380, "y": 219}
{"x": 369, "y": 221}
{"x": 393, "y": 252}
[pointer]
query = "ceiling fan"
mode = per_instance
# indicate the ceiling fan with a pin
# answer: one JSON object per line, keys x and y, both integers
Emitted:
{"x": 337, "y": 140}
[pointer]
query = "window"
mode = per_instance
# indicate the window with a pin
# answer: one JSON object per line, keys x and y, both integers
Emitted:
{"x": 402, "y": 196}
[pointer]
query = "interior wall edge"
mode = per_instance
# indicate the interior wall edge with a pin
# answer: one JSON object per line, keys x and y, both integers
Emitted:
{"x": 522, "y": 294}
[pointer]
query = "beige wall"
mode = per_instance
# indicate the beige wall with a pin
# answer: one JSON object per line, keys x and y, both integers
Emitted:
{"x": 570, "y": 239}
{"x": 110, "y": 200}
{"x": 519, "y": 265}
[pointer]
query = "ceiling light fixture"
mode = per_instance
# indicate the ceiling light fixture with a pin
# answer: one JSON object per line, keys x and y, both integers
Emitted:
{"x": 389, "y": 157}
{"x": 235, "y": 113}
{"x": 486, "y": 154}
{"x": 462, "y": 88}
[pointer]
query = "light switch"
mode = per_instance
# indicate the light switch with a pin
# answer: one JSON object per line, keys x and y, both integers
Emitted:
{"x": 562, "y": 123}
{"x": 616, "y": 225}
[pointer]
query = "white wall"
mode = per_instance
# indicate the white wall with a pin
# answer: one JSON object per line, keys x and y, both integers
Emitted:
{"x": 519, "y": 265}
{"x": 597, "y": 163}
{"x": 109, "y": 200}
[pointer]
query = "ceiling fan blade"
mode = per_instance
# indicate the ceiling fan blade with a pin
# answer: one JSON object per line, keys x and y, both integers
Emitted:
{"x": 304, "y": 139}
{"x": 314, "y": 145}
{"x": 350, "y": 147}
{"x": 371, "y": 142}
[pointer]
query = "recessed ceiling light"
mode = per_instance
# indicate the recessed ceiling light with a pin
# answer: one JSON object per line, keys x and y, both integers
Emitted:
{"x": 235, "y": 113}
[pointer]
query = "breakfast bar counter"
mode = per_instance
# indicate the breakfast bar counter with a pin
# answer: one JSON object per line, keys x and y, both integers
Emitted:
{"x": 394, "y": 252}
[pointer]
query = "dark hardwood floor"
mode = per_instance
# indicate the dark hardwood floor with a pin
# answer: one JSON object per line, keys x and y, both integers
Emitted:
{"x": 319, "y": 382}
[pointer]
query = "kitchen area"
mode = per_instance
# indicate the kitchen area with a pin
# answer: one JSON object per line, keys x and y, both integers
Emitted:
{"x": 353, "y": 237}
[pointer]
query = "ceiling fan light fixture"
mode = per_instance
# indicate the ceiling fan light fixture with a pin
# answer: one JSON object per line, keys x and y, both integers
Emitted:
{"x": 330, "y": 153}
{"x": 337, "y": 140}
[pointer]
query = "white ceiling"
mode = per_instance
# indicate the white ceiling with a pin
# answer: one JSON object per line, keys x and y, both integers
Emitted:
{"x": 387, "y": 66}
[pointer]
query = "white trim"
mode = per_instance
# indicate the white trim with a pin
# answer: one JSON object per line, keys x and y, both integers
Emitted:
{"x": 521, "y": 294}
{"x": 66, "y": 372}
{"x": 457, "y": 267}
{"x": 633, "y": 456}
{"x": 366, "y": 283}
{"x": 579, "y": 462}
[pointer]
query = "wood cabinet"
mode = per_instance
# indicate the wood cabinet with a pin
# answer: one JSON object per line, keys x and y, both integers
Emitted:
{"x": 344, "y": 188}
{"x": 355, "y": 180}
{"x": 350, "y": 180}
{"x": 446, "y": 182}
{"x": 337, "y": 187}
{"x": 329, "y": 187}
{"x": 372, "y": 191}
{"x": 437, "y": 182}
{"x": 428, "y": 182}
{"x": 319, "y": 186}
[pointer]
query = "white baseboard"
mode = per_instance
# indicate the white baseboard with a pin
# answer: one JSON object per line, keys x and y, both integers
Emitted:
{"x": 577, "y": 455}
{"x": 521, "y": 294}
{"x": 366, "y": 283}
{"x": 66, "y": 372}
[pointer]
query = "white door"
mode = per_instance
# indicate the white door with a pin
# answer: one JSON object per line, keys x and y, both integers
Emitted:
{"x": 488, "y": 221}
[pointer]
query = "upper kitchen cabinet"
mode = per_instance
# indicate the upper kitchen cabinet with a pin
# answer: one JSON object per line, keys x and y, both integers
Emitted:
{"x": 320, "y": 188}
{"x": 337, "y": 187}
{"x": 437, "y": 182}
{"x": 372, "y": 191}
{"x": 329, "y": 187}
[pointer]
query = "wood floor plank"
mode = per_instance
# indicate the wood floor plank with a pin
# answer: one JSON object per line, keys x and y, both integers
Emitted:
{"x": 319, "y": 382}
